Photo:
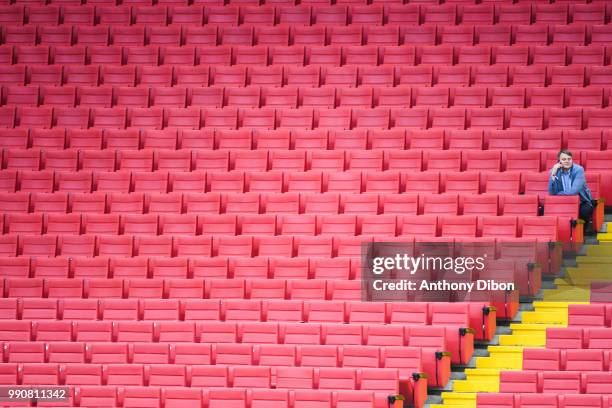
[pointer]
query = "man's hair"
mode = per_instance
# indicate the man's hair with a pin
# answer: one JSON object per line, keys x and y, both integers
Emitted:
{"x": 566, "y": 152}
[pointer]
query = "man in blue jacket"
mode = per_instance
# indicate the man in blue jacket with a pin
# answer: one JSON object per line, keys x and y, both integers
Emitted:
{"x": 567, "y": 178}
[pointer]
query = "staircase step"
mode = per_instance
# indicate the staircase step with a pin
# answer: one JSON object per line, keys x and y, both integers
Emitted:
{"x": 526, "y": 340}
{"x": 479, "y": 385}
{"x": 459, "y": 397}
{"x": 544, "y": 317}
{"x": 567, "y": 294}
{"x": 582, "y": 260}
{"x": 542, "y": 304}
{"x": 507, "y": 363}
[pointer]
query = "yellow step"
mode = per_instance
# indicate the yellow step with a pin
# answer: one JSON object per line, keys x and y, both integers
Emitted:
{"x": 584, "y": 283}
{"x": 533, "y": 327}
{"x": 483, "y": 374}
{"x": 525, "y": 340}
{"x": 586, "y": 268}
{"x": 482, "y": 371}
{"x": 594, "y": 259}
{"x": 604, "y": 237}
{"x": 575, "y": 282}
{"x": 475, "y": 386}
{"x": 593, "y": 271}
{"x": 603, "y": 249}
{"x": 567, "y": 294}
{"x": 565, "y": 291}
{"x": 501, "y": 362}
{"x": 455, "y": 404}
{"x": 582, "y": 260}
{"x": 541, "y": 317}
{"x": 508, "y": 350}
{"x": 458, "y": 397}
{"x": 542, "y": 304}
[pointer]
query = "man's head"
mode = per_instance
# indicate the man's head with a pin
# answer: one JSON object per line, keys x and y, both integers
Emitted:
{"x": 565, "y": 159}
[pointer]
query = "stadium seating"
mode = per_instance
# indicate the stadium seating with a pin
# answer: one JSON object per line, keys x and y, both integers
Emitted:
{"x": 185, "y": 189}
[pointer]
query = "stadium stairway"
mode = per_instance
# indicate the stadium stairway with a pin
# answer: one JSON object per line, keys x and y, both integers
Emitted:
{"x": 528, "y": 329}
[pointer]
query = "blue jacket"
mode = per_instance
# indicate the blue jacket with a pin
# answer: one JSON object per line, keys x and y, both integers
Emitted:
{"x": 579, "y": 186}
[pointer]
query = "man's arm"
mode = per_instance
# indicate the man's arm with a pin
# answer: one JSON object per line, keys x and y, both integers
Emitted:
{"x": 552, "y": 185}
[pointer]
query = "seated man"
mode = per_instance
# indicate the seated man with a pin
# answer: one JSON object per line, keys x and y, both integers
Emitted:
{"x": 567, "y": 178}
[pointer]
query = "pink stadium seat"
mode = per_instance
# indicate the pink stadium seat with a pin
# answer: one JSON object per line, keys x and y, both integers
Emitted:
{"x": 425, "y": 139}
{"x": 124, "y": 374}
{"x": 490, "y": 400}
{"x": 8, "y": 246}
{"x": 494, "y": 75}
{"x": 97, "y": 395}
{"x": 83, "y": 374}
{"x": 16, "y": 202}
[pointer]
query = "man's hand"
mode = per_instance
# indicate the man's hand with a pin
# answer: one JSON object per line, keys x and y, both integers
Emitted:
{"x": 555, "y": 169}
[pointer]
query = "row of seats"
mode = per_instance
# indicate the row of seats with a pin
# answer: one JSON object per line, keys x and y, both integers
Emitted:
{"x": 256, "y": 333}
{"x": 314, "y": 12}
{"x": 557, "y": 360}
{"x": 294, "y": 289}
{"x": 517, "y": 400}
{"x": 453, "y": 81}
{"x": 54, "y": 205}
{"x": 195, "y": 288}
{"x": 558, "y": 382}
{"x": 315, "y": 268}
{"x": 591, "y": 315}
{"x": 219, "y": 231}
{"x": 578, "y": 338}
{"x": 332, "y": 181}
{"x": 424, "y": 155}
{"x": 245, "y": 205}
{"x": 145, "y": 228}
{"x": 90, "y": 288}
{"x": 156, "y": 375}
{"x": 459, "y": 3}
{"x": 281, "y": 246}
{"x": 278, "y": 141}
{"x": 181, "y": 397}
{"x": 316, "y": 35}
{"x": 300, "y": 80}
{"x": 427, "y": 3}
{"x": 108, "y": 396}
{"x": 307, "y": 14}
{"x": 46, "y": 117}
{"x": 76, "y": 315}
{"x": 331, "y": 56}
{"x": 175, "y": 99}
{"x": 145, "y": 188}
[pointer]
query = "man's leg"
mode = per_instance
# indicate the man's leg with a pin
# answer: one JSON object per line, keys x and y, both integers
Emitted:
{"x": 586, "y": 212}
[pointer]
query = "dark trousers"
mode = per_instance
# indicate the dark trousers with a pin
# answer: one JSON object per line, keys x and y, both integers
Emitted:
{"x": 586, "y": 212}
